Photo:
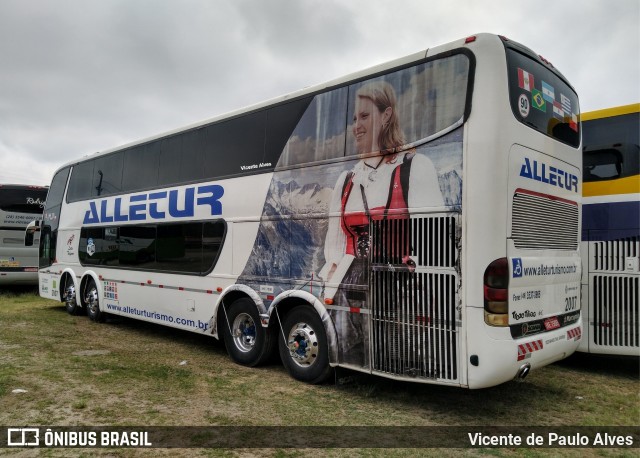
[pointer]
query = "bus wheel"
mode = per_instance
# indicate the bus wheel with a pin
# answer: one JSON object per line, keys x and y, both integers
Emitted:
{"x": 70, "y": 303}
{"x": 92, "y": 302}
{"x": 303, "y": 346}
{"x": 247, "y": 342}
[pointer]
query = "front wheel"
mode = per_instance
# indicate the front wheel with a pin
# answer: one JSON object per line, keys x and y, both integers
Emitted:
{"x": 92, "y": 302}
{"x": 247, "y": 341}
{"x": 303, "y": 346}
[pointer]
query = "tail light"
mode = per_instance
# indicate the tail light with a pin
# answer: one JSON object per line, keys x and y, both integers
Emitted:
{"x": 496, "y": 293}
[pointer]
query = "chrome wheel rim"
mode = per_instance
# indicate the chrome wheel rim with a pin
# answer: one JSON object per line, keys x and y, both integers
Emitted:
{"x": 92, "y": 300}
{"x": 70, "y": 297}
{"x": 243, "y": 331}
{"x": 303, "y": 344}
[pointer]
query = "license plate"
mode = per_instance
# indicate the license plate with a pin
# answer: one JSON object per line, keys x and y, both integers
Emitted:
{"x": 551, "y": 323}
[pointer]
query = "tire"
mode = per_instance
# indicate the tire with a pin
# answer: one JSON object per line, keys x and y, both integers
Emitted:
{"x": 248, "y": 342}
{"x": 303, "y": 346}
{"x": 92, "y": 302}
{"x": 70, "y": 303}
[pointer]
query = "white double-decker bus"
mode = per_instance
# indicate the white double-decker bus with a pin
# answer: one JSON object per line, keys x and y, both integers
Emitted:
{"x": 19, "y": 205}
{"x": 418, "y": 220}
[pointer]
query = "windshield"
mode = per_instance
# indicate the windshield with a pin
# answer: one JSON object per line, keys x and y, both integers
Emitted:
{"x": 542, "y": 100}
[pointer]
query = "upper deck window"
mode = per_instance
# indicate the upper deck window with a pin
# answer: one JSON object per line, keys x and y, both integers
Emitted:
{"x": 542, "y": 100}
{"x": 611, "y": 147}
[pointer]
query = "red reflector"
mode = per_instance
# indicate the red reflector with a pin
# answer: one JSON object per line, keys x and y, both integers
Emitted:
{"x": 181, "y": 288}
{"x": 470, "y": 40}
{"x": 270, "y": 298}
{"x": 209, "y": 291}
{"x": 160, "y": 286}
{"x": 354, "y": 309}
{"x": 551, "y": 323}
{"x": 148, "y": 282}
{"x": 219, "y": 289}
{"x": 495, "y": 294}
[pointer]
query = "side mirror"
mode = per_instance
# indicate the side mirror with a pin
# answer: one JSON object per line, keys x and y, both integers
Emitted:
{"x": 32, "y": 228}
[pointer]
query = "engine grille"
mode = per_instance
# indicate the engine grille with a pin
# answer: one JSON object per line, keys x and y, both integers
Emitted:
{"x": 413, "y": 312}
{"x": 612, "y": 255}
{"x": 541, "y": 222}
{"x": 615, "y": 310}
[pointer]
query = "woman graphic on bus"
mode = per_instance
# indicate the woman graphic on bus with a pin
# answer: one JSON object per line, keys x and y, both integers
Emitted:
{"x": 386, "y": 181}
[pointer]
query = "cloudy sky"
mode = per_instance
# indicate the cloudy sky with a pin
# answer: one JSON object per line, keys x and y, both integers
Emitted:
{"x": 79, "y": 76}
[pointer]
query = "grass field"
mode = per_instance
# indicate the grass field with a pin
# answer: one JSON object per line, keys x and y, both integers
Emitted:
{"x": 125, "y": 372}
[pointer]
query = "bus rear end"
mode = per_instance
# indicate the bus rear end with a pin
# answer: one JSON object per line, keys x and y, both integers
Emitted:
{"x": 19, "y": 205}
{"x": 524, "y": 242}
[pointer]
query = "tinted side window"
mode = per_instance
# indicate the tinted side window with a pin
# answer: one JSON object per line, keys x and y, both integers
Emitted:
{"x": 98, "y": 246}
{"x": 180, "y": 247}
{"x": 281, "y": 121}
{"x": 190, "y": 248}
{"x": 170, "y": 152}
{"x": 213, "y": 234}
{"x": 320, "y": 133}
{"x": 51, "y": 218}
{"x": 81, "y": 182}
{"x": 137, "y": 246}
{"x": 140, "y": 169}
{"x": 56, "y": 191}
{"x": 107, "y": 175}
{"x": 192, "y": 156}
{"x": 235, "y": 146}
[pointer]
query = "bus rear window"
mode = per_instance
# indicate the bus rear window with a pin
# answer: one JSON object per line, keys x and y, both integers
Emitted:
{"x": 542, "y": 100}
{"x": 19, "y": 199}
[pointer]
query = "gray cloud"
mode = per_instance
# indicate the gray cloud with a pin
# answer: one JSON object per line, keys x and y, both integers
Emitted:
{"x": 79, "y": 77}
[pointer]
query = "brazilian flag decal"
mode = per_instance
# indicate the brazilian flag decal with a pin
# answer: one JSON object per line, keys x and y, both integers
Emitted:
{"x": 537, "y": 100}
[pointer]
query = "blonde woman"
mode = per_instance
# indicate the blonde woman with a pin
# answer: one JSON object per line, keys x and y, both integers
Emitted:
{"x": 382, "y": 185}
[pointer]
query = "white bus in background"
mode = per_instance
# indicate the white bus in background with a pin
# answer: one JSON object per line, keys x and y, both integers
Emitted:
{"x": 19, "y": 205}
{"x": 611, "y": 231}
{"x": 418, "y": 220}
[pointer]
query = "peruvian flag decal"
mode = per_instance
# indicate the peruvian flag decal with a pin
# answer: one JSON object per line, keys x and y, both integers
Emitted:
{"x": 525, "y": 80}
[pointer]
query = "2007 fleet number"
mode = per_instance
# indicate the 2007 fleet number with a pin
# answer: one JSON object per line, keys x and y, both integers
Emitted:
{"x": 570, "y": 303}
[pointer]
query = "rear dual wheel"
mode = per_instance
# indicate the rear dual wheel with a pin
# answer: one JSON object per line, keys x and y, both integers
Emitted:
{"x": 70, "y": 303}
{"x": 247, "y": 341}
{"x": 303, "y": 346}
{"x": 92, "y": 302}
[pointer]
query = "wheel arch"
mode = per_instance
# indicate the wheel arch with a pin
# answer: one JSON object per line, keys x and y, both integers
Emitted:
{"x": 228, "y": 297}
{"x": 89, "y": 275}
{"x": 68, "y": 273}
{"x": 287, "y": 301}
